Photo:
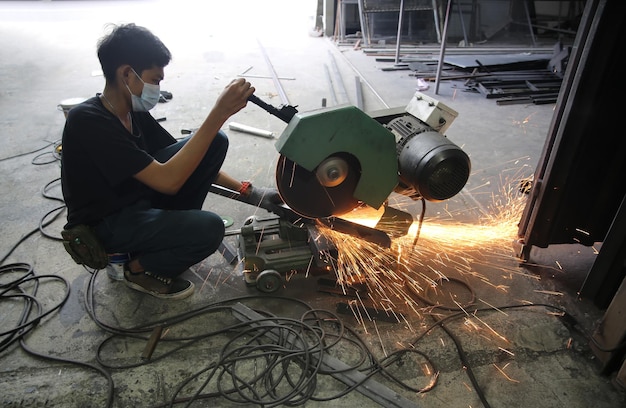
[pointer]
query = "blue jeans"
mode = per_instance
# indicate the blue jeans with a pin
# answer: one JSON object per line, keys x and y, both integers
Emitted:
{"x": 168, "y": 234}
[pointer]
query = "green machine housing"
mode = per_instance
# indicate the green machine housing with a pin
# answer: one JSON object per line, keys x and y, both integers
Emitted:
{"x": 400, "y": 149}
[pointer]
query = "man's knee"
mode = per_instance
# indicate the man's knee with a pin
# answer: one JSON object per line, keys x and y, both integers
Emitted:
{"x": 219, "y": 147}
{"x": 209, "y": 232}
{"x": 215, "y": 156}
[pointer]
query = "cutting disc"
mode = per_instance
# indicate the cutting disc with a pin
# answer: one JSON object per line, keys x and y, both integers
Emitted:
{"x": 313, "y": 194}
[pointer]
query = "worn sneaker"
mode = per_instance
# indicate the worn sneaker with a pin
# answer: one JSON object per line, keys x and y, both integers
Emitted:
{"x": 158, "y": 286}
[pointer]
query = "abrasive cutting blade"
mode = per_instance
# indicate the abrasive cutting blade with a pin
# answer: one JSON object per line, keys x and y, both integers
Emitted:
{"x": 302, "y": 191}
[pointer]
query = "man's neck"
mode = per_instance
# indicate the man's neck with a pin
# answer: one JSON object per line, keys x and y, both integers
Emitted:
{"x": 118, "y": 103}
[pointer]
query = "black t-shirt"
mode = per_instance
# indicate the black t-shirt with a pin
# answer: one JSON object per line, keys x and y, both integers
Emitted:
{"x": 99, "y": 158}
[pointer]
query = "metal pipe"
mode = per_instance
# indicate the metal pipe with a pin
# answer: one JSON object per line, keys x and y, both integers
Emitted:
{"x": 443, "y": 46}
{"x": 277, "y": 84}
{"x": 359, "y": 93}
{"x": 400, "y": 13}
{"x": 333, "y": 95}
{"x": 463, "y": 24}
{"x": 436, "y": 18}
{"x": 364, "y": 29}
{"x": 530, "y": 23}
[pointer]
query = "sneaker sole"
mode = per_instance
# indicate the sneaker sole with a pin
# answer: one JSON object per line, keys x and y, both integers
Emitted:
{"x": 169, "y": 296}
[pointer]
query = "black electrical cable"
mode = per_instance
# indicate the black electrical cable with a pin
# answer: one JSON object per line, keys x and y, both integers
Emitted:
{"x": 33, "y": 312}
{"x": 461, "y": 352}
{"x": 467, "y": 366}
{"x": 27, "y": 153}
{"x": 241, "y": 391}
{"x": 42, "y": 225}
{"x": 430, "y": 302}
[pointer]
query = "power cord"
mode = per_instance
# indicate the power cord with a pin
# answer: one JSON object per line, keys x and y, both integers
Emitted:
{"x": 26, "y": 285}
{"x": 273, "y": 345}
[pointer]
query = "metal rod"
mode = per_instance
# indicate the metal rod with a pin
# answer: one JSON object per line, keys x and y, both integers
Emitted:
{"x": 462, "y": 23}
{"x": 251, "y": 130}
{"x": 400, "y": 13}
{"x": 329, "y": 78}
{"x": 364, "y": 29}
{"x": 338, "y": 79}
{"x": 365, "y": 81}
{"x": 442, "y": 51}
{"x": 155, "y": 336}
{"x": 436, "y": 18}
{"x": 530, "y": 24}
{"x": 277, "y": 84}
{"x": 265, "y": 77}
{"x": 359, "y": 93}
{"x": 342, "y": 20}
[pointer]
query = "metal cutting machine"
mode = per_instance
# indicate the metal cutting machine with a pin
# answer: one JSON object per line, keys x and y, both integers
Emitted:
{"x": 335, "y": 160}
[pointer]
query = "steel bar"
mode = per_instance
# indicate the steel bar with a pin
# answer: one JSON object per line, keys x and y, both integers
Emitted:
{"x": 365, "y": 81}
{"x": 398, "y": 39}
{"x": 338, "y": 80}
{"x": 364, "y": 29}
{"x": 460, "y": 50}
{"x": 436, "y": 18}
{"x": 530, "y": 23}
{"x": 329, "y": 78}
{"x": 359, "y": 93}
{"x": 460, "y": 7}
{"x": 265, "y": 77}
{"x": 155, "y": 336}
{"x": 535, "y": 100}
{"x": 442, "y": 51}
{"x": 277, "y": 84}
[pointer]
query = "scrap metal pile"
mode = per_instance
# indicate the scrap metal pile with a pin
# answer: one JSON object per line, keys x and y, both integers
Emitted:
{"x": 507, "y": 75}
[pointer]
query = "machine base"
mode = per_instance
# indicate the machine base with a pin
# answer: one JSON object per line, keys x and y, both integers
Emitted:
{"x": 270, "y": 248}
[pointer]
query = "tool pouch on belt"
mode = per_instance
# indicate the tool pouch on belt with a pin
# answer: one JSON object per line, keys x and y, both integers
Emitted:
{"x": 84, "y": 247}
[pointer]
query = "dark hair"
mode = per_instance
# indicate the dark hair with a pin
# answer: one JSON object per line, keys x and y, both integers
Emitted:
{"x": 133, "y": 45}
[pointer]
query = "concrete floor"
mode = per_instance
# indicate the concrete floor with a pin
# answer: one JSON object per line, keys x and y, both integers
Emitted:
{"x": 520, "y": 356}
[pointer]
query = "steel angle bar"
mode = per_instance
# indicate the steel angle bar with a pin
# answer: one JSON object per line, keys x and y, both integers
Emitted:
{"x": 442, "y": 50}
{"x": 365, "y": 81}
{"x": 337, "y": 368}
{"x": 338, "y": 79}
{"x": 520, "y": 93}
{"x": 399, "y": 35}
{"x": 359, "y": 93}
{"x": 329, "y": 79}
{"x": 277, "y": 84}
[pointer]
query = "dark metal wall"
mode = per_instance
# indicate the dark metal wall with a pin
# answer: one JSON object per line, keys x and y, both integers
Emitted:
{"x": 579, "y": 191}
{"x": 581, "y": 178}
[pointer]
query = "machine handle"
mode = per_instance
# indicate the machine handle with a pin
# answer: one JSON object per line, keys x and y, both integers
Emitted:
{"x": 284, "y": 113}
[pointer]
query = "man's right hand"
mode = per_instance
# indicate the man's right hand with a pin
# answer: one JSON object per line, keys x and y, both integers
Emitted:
{"x": 234, "y": 97}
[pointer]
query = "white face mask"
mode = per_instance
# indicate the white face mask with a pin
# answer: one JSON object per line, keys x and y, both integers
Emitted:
{"x": 150, "y": 96}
